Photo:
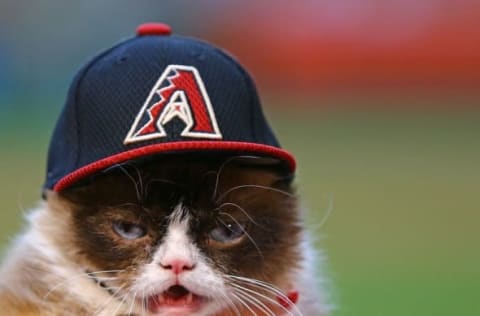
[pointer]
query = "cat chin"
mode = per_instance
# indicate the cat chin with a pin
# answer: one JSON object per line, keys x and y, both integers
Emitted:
{"x": 194, "y": 310}
{"x": 177, "y": 300}
{"x": 181, "y": 303}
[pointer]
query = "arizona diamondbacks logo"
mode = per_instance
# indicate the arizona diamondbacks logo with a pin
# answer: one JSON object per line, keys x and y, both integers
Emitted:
{"x": 178, "y": 93}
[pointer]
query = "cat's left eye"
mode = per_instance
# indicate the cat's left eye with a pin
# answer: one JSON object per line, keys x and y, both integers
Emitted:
{"x": 129, "y": 231}
{"x": 227, "y": 232}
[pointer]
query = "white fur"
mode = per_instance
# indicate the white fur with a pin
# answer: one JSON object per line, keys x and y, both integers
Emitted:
{"x": 311, "y": 283}
{"x": 201, "y": 280}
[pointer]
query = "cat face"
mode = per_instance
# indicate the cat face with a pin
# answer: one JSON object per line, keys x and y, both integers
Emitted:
{"x": 189, "y": 237}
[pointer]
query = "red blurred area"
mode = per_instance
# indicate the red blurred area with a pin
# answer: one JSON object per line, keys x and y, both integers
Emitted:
{"x": 422, "y": 45}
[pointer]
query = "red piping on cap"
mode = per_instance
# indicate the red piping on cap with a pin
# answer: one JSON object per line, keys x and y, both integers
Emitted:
{"x": 104, "y": 163}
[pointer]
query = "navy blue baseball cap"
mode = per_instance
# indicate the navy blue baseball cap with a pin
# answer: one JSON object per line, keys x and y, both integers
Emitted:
{"x": 157, "y": 94}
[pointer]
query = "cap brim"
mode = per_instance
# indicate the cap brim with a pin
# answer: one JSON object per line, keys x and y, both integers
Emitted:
{"x": 177, "y": 147}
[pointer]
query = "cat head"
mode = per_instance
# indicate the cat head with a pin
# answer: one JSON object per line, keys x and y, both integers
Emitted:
{"x": 186, "y": 236}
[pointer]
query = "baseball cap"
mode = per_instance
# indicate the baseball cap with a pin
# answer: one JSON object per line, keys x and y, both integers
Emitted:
{"x": 157, "y": 94}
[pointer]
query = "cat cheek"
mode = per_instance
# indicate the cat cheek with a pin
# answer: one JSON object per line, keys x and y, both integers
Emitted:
{"x": 105, "y": 249}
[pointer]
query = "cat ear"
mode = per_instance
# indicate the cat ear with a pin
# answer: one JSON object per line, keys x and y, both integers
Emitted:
{"x": 283, "y": 177}
{"x": 284, "y": 181}
{"x": 57, "y": 202}
{"x": 75, "y": 195}
{"x": 102, "y": 190}
{"x": 278, "y": 178}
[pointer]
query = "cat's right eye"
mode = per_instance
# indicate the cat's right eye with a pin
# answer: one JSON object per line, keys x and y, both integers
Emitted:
{"x": 128, "y": 230}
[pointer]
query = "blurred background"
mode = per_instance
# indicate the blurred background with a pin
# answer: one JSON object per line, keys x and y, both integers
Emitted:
{"x": 379, "y": 100}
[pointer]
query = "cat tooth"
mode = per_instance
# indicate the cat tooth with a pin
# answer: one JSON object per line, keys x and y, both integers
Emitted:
{"x": 160, "y": 299}
{"x": 189, "y": 298}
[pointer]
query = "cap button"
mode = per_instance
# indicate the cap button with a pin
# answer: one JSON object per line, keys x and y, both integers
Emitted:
{"x": 153, "y": 29}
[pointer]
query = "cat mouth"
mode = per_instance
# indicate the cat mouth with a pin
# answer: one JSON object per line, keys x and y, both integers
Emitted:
{"x": 177, "y": 299}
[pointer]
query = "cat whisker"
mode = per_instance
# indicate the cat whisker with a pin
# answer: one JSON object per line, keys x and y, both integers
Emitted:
{"x": 143, "y": 302}
{"x": 326, "y": 216}
{"x": 244, "y": 231}
{"x": 256, "y": 302}
{"x": 257, "y": 186}
{"x": 94, "y": 273}
{"x": 257, "y": 283}
{"x": 233, "y": 305}
{"x": 138, "y": 185}
{"x": 152, "y": 290}
{"x": 58, "y": 285}
{"x": 102, "y": 307}
{"x": 265, "y": 286}
{"x": 241, "y": 301}
{"x": 140, "y": 182}
{"x": 132, "y": 304}
{"x": 134, "y": 300}
{"x": 269, "y": 299}
{"x": 123, "y": 205}
{"x": 241, "y": 209}
{"x": 226, "y": 162}
{"x": 154, "y": 180}
{"x": 103, "y": 278}
{"x": 120, "y": 304}
{"x": 74, "y": 277}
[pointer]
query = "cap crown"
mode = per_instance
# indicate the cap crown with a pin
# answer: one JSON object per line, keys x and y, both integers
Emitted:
{"x": 153, "y": 94}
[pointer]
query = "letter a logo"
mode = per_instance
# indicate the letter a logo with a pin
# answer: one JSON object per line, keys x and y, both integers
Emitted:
{"x": 178, "y": 93}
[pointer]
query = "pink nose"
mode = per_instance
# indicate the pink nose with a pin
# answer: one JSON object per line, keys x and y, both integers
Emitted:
{"x": 177, "y": 266}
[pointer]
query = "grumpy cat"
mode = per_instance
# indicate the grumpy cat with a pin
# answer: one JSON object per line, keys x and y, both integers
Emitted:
{"x": 186, "y": 236}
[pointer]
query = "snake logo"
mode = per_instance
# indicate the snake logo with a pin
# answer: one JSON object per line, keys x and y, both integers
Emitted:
{"x": 178, "y": 93}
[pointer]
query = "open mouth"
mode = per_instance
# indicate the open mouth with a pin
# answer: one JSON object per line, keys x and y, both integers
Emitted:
{"x": 176, "y": 299}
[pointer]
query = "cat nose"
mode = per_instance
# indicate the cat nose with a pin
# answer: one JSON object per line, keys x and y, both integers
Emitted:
{"x": 177, "y": 265}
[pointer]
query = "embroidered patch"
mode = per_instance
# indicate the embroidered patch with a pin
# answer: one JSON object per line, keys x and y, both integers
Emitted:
{"x": 178, "y": 93}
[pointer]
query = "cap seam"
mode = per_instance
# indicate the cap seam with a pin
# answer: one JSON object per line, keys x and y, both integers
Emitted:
{"x": 245, "y": 76}
{"x": 247, "y": 81}
{"x": 81, "y": 78}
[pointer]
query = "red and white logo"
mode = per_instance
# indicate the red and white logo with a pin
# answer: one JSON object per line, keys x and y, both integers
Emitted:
{"x": 178, "y": 93}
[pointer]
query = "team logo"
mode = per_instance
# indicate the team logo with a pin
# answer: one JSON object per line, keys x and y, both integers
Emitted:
{"x": 178, "y": 93}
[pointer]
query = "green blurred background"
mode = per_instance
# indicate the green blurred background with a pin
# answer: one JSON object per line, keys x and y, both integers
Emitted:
{"x": 387, "y": 143}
